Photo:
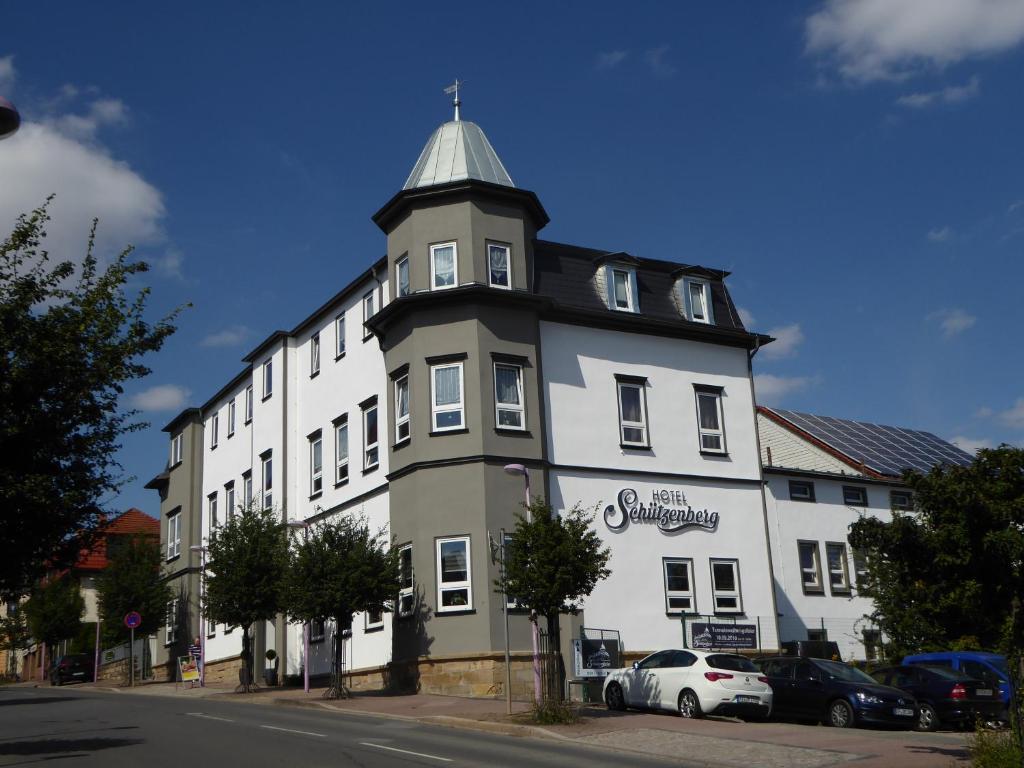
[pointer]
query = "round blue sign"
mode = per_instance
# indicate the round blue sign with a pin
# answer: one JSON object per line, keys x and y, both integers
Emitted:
{"x": 132, "y": 619}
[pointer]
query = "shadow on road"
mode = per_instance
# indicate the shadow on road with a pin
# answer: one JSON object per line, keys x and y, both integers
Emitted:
{"x": 34, "y": 700}
{"x": 54, "y": 746}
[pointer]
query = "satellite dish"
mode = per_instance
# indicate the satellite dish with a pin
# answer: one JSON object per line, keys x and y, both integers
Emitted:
{"x": 9, "y": 118}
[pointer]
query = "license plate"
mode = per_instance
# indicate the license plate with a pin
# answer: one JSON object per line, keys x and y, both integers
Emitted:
{"x": 984, "y": 692}
{"x": 748, "y": 699}
{"x": 903, "y": 712}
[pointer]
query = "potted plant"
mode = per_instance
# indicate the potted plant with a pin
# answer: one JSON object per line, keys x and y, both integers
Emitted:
{"x": 270, "y": 673}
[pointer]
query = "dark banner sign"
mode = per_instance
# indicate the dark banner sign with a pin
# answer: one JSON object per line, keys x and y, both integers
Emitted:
{"x": 595, "y": 657}
{"x": 667, "y": 509}
{"x": 708, "y": 636}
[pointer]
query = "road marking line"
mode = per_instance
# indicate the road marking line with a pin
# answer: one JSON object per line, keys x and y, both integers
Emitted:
{"x": 405, "y": 751}
{"x": 208, "y": 717}
{"x": 290, "y": 730}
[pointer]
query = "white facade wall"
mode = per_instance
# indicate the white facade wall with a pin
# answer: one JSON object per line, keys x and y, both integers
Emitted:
{"x": 590, "y": 467}
{"x": 827, "y": 519}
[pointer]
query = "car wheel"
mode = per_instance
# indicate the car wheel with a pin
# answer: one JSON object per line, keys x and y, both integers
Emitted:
{"x": 689, "y": 705}
{"x": 614, "y": 699}
{"x": 928, "y": 720}
{"x": 840, "y": 714}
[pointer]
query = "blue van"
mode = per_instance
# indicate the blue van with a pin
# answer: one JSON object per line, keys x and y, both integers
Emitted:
{"x": 990, "y": 668}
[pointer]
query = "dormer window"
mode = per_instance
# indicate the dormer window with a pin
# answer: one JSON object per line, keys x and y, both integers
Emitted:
{"x": 444, "y": 271}
{"x": 622, "y": 295}
{"x": 697, "y": 300}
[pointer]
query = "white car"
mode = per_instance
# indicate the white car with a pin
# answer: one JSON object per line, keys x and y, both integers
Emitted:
{"x": 693, "y": 683}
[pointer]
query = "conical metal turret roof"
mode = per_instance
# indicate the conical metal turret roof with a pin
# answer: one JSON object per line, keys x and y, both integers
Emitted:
{"x": 456, "y": 151}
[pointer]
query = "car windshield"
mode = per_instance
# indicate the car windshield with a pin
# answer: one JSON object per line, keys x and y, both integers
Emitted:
{"x": 949, "y": 674}
{"x": 845, "y": 673}
{"x": 734, "y": 663}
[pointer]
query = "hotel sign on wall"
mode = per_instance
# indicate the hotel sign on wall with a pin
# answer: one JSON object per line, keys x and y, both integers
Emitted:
{"x": 667, "y": 509}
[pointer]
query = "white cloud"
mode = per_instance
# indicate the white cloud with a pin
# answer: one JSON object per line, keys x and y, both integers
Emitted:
{"x": 892, "y": 39}
{"x": 969, "y": 444}
{"x": 953, "y": 321}
{"x": 745, "y": 317}
{"x": 1015, "y": 205}
{"x": 953, "y": 94}
{"x": 656, "y": 59}
{"x": 939, "y": 234}
{"x": 610, "y": 59}
{"x": 984, "y": 412}
{"x": 771, "y": 390}
{"x": 6, "y": 75}
{"x": 162, "y": 397}
{"x": 1014, "y": 416}
{"x": 60, "y": 155}
{"x": 787, "y": 339}
{"x": 229, "y": 337}
{"x": 168, "y": 263}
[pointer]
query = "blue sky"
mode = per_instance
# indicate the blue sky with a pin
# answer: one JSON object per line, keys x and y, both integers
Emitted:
{"x": 857, "y": 165}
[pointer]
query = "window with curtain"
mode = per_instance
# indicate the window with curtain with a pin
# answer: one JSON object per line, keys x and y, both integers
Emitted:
{"x": 810, "y": 567}
{"x": 314, "y": 354}
{"x": 453, "y": 579}
{"x": 339, "y": 336}
{"x": 447, "y": 397}
{"x": 402, "y": 277}
{"x": 498, "y": 265}
{"x": 709, "y": 421}
{"x": 632, "y": 415}
{"x": 508, "y": 396}
{"x": 341, "y": 450}
{"x": 443, "y": 269}
{"x": 316, "y": 465}
{"x": 402, "y": 425}
{"x": 406, "y": 599}
{"x": 371, "y": 452}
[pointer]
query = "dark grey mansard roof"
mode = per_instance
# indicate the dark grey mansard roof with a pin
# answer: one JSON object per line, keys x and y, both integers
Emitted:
{"x": 568, "y": 274}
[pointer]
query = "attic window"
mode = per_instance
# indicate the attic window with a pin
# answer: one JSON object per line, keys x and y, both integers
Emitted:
{"x": 621, "y": 283}
{"x": 697, "y": 300}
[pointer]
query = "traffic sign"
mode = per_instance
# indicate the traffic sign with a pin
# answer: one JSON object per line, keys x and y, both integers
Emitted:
{"x": 132, "y": 619}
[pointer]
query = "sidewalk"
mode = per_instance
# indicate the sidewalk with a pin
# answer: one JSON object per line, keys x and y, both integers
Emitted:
{"x": 715, "y": 741}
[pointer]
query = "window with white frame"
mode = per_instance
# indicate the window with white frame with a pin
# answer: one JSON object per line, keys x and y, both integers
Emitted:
{"x": 369, "y": 310}
{"x": 498, "y": 266}
{"x": 406, "y": 598}
{"x": 229, "y": 500}
{"x": 341, "y": 449}
{"x": 855, "y": 495}
{"x": 622, "y": 292}
{"x": 173, "y": 535}
{"x": 317, "y": 630}
{"x": 374, "y": 619}
{"x": 268, "y": 379}
{"x": 171, "y": 622}
{"x": 901, "y": 500}
{"x": 447, "y": 410}
{"x": 454, "y": 587}
{"x": 860, "y": 566}
{"x": 231, "y": 417}
{"x": 402, "y": 424}
{"x": 725, "y": 586}
{"x": 247, "y": 488}
{"x": 314, "y": 354}
{"x": 371, "y": 447}
{"x": 697, "y": 298}
{"x": 402, "y": 277}
{"x": 214, "y": 430}
{"x": 632, "y": 412}
{"x": 801, "y": 490}
{"x": 176, "y": 449}
{"x": 267, "y": 479}
{"x": 339, "y": 336}
{"x": 444, "y": 269}
{"x": 508, "y": 396}
{"x": 211, "y": 508}
{"x": 810, "y": 566}
{"x": 838, "y": 569}
{"x": 248, "y": 404}
{"x": 316, "y": 463}
{"x": 710, "y": 424}
{"x": 678, "y": 585}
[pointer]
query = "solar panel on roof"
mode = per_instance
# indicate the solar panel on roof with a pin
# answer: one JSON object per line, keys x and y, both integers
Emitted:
{"x": 885, "y": 449}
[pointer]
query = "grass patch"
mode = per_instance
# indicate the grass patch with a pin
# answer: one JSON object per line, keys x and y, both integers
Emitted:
{"x": 994, "y": 749}
{"x": 554, "y": 713}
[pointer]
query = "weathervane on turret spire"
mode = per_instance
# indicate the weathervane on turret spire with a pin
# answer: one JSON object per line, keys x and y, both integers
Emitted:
{"x": 454, "y": 88}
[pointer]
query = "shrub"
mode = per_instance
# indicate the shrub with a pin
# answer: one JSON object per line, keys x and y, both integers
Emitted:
{"x": 994, "y": 749}
{"x": 551, "y": 712}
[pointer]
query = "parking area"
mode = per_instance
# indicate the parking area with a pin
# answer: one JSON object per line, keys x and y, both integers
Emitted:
{"x": 724, "y": 741}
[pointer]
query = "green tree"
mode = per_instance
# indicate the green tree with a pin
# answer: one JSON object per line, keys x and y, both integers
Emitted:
{"x": 14, "y": 636}
{"x": 339, "y": 569}
{"x": 246, "y": 567}
{"x": 552, "y": 563}
{"x": 54, "y": 610}
{"x": 71, "y": 340}
{"x": 132, "y": 582}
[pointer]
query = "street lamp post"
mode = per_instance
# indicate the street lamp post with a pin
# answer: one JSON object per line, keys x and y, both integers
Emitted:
{"x": 202, "y": 618}
{"x": 519, "y": 469}
{"x": 305, "y": 629}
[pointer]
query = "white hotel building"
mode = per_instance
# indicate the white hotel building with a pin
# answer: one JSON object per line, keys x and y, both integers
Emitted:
{"x": 619, "y": 382}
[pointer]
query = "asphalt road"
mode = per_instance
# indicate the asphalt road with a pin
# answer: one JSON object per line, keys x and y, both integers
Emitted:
{"x": 81, "y": 727}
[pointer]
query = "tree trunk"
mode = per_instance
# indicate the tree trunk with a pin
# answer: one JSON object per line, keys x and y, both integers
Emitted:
{"x": 556, "y": 686}
{"x": 246, "y": 659}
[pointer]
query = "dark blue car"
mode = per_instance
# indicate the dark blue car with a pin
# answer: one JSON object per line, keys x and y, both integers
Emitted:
{"x": 839, "y": 695}
{"x": 944, "y": 696}
{"x": 990, "y": 668}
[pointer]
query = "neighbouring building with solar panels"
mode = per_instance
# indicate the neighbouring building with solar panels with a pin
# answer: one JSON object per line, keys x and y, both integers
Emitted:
{"x": 822, "y": 474}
